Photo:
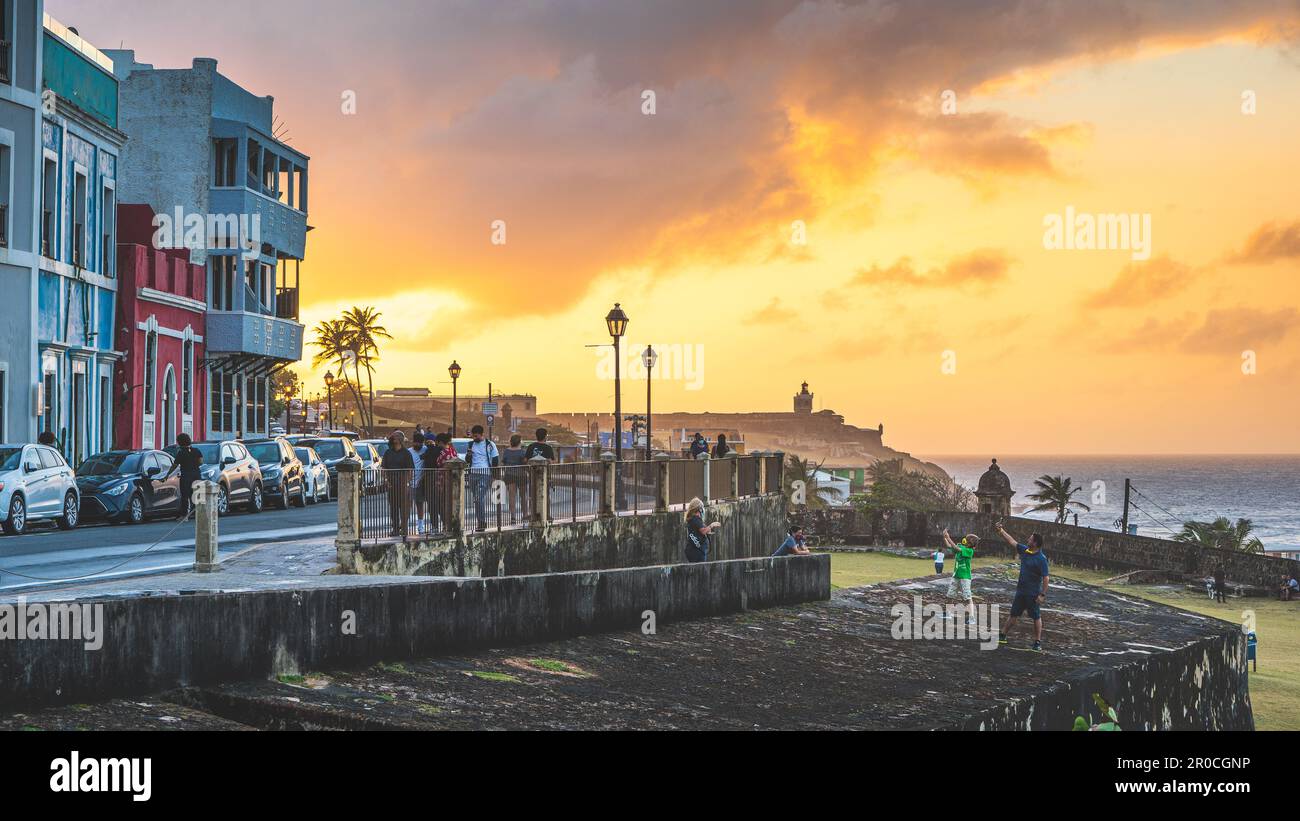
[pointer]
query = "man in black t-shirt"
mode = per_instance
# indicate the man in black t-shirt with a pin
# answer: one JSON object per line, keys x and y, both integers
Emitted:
{"x": 188, "y": 461}
{"x": 540, "y": 447}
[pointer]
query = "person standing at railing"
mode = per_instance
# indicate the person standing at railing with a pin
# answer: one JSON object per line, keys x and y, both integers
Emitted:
{"x": 699, "y": 445}
{"x": 721, "y": 449}
{"x": 539, "y": 447}
{"x": 697, "y": 532}
{"x": 480, "y": 456}
{"x": 437, "y": 457}
{"x": 513, "y": 461}
{"x": 398, "y": 467}
{"x": 419, "y": 498}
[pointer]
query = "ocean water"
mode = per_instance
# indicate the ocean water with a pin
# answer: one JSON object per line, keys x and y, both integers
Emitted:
{"x": 1170, "y": 489}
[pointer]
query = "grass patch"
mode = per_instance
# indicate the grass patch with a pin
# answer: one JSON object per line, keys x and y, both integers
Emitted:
{"x": 487, "y": 675}
{"x": 552, "y": 665}
{"x": 1274, "y": 689}
{"x": 396, "y": 667}
{"x": 289, "y": 679}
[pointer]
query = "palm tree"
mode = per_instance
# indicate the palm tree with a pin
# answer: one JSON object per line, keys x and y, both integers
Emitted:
{"x": 334, "y": 345}
{"x": 803, "y": 471}
{"x": 1222, "y": 534}
{"x": 1055, "y": 493}
{"x": 364, "y": 333}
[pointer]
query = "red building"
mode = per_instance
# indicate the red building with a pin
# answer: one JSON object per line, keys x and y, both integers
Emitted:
{"x": 161, "y": 321}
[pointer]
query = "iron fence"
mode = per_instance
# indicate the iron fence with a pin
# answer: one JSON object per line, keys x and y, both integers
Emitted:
{"x": 498, "y": 498}
{"x": 573, "y": 490}
{"x": 405, "y": 504}
{"x": 747, "y": 475}
{"x": 685, "y": 480}
{"x": 637, "y": 487}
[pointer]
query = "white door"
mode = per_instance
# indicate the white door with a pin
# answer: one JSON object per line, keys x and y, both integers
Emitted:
{"x": 169, "y": 408}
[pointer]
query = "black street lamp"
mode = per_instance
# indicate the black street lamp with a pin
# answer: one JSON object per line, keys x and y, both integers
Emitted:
{"x": 648, "y": 358}
{"x": 454, "y": 370}
{"x": 329, "y": 398}
{"x": 616, "y": 321}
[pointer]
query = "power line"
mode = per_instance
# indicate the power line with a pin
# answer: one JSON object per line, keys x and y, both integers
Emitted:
{"x": 1159, "y": 506}
{"x": 1135, "y": 506}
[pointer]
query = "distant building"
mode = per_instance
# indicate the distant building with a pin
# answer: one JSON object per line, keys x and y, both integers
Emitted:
{"x": 203, "y": 153}
{"x": 162, "y": 321}
{"x": 994, "y": 491}
{"x": 77, "y": 285}
{"x": 803, "y": 400}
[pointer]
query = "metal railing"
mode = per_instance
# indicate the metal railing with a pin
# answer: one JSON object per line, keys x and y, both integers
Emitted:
{"x": 573, "y": 490}
{"x": 637, "y": 487}
{"x": 406, "y": 504}
{"x": 498, "y": 498}
{"x": 685, "y": 480}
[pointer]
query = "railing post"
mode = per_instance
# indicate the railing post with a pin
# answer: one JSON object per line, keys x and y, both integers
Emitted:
{"x": 661, "y": 461}
{"x": 541, "y": 501}
{"x": 456, "y": 496}
{"x": 734, "y": 475}
{"x": 205, "y": 526}
{"x": 778, "y": 485}
{"x": 348, "y": 538}
{"x": 760, "y": 462}
{"x": 704, "y": 457}
{"x": 608, "y": 480}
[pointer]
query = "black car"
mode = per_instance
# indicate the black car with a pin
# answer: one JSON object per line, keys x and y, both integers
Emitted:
{"x": 283, "y": 478}
{"x": 332, "y": 450}
{"x": 128, "y": 486}
{"x": 237, "y": 474}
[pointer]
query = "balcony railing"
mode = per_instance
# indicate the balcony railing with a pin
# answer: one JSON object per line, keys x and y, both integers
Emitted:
{"x": 286, "y": 303}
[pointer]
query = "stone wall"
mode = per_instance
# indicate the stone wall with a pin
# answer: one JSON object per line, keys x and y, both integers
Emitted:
{"x": 153, "y": 643}
{"x": 1084, "y": 547}
{"x": 751, "y": 527}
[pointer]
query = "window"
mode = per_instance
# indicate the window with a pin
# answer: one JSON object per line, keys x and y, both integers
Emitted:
{"x": 108, "y": 246}
{"x": 6, "y": 45}
{"x": 6, "y": 160}
{"x": 222, "y": 388}
{"x": 254, "y": 165}
{"x": 150, "y": 361}
{"x": 49, "y": 458}
{"x": 4, "y": 404}
{"x": 269, "y": 180}
{"x": 187, "y": 377}
{"x": 105, "y": 413}
{"x": 223, "y": 282}
{"x": 48, "y": 202}
{"x": 49, "y": 402}
{"x": 79, "y": 220}
{"x": 226, "y": 164}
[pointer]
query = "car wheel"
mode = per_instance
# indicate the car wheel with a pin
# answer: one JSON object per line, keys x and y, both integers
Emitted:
{"x": 256, "y": 503}
{"x": 135, "y": 509}
{"x": 71, "y": 512}
{"x": 302, "y": 493}
{"x": 283, "y": 504}
{"x": 223, "y": 500}
{"x": 326, "y": 495}
{"x": 17, "y": 521}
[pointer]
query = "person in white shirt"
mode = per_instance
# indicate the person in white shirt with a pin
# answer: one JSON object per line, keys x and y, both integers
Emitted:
{"x": 938, "y": 561}
{"x": 480, "y": 457}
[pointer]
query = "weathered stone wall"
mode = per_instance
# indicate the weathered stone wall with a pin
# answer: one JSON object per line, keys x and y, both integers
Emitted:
{"x": 751, "y": 527}
{"x": 1085, "y": 547}
{"x": 152, "y": 643}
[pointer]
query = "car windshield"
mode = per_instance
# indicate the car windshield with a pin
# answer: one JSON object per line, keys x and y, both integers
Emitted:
{"x": 10, "y": 458}
{"x": 265, "y": 452}
{"x": 107, "y": 464}
{"x": 329, "y": 448}
{"x": 209, "y": 451}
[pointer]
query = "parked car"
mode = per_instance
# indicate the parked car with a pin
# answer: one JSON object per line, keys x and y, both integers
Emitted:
{"x": 370, "y": 459}
{"x": 282, "y": 474}
{"x": 380, "y": 445}
{"x": 237, "y": 474}
{"x": 36, "y": 484}
{"x": 315, "y": 473}
{"x": 128, "y": 486}
{"x": 332, "y": 450}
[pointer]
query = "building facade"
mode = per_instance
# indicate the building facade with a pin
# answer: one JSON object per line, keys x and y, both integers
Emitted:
{"x": 204, "y": 156}
{"x": 21, "y": 44}
{"x": 161, "y": 319}
{"x": 76, "y": 282}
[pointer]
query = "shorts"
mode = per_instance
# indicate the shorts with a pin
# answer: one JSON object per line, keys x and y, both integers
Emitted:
{"x": 963, "y": 585}
{"x": 1026, "y": 603}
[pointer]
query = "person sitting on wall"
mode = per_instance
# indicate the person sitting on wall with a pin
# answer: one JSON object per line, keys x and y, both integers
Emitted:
{"x": 1290, "y": 588}
{"x": 793, "y": 544}
{"x": 697, "y": 532}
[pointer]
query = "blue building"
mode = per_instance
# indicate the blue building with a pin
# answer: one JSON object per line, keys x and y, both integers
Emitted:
{"x": 76, "y": 285}
{"x": 21, "y": 39}
{"x": 204, "y": 154}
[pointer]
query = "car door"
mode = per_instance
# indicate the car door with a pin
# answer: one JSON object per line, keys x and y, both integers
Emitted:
{"x": 235, "y": 473}
{"x": 166, "y": 492}
{"x": 58, "y": 478}
{"x": 38, "y": 482}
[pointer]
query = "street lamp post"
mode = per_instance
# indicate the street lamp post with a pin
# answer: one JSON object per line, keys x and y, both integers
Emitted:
{"x": 648, "y": 358}
{"x": 329, "y": 398}
{"x": 454, "y": 370}
{"x": 616, "y": 321}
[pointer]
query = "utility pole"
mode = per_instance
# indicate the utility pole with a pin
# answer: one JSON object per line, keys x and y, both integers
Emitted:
{"x": 1124, "y": 520}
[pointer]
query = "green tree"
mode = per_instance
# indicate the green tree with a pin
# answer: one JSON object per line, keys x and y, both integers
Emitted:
{"x": 334, "y": 349}
{"x": 284, "y": 387}
{"x": 364, "y": 332}
{"x": 1056, "y": 494}
{"x": 802, "y": 487}
{"x": 891, "y": 486}
{"x": 1222, "y": 534}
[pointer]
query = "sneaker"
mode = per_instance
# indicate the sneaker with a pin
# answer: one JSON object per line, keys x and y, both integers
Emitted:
{"x": 1002, "y": 638}
{"x": 1038, "y": 645}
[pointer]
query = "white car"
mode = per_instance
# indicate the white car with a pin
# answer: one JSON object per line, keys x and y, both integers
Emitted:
{"x": 36, "y": 484}
{"x": 317, "y": 475}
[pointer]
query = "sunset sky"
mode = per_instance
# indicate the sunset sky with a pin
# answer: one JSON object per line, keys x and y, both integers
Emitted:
{"x": 924, "y": 230}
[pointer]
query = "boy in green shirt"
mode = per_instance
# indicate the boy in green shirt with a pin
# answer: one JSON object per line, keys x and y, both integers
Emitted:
{"x": 959, "y": 586}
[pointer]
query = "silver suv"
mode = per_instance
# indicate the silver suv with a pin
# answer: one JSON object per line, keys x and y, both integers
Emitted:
{"x": 36, "y": 484}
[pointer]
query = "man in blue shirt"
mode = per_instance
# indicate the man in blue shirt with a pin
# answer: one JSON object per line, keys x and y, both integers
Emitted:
{"x": 793, "y": 544}
{"x": 1031, "y": 589}
{"x": 480, "y": 457}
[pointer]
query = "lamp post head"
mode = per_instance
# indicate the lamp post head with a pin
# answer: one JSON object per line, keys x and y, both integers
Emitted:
{"x": 616, "y": 320}
{"x": 649, "y": 357}
{"x": 329, "y": 379}
{"x": 454, "y": 370}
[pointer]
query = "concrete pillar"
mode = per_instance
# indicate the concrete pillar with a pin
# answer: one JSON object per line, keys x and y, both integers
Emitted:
{"x": 608, "y": 482}
{"x": 776, "y": 484}
{"x": 539, "y": 507}
{"x": 662, "y": 462}
{"x": 205, "y": 526}
{"x": 761, "y": 461}
{"x": 704, "y": 457}
{"x": 348, "y": 537}
{"x": 734, "y": 460}
{"x": 456, "y": 496}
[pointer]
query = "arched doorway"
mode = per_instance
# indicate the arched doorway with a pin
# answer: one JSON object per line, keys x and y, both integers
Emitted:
{"x": 169, "y": 408}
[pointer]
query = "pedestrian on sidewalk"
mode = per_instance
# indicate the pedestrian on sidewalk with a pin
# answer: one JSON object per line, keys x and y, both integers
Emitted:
{"x": 398, "y": 466}
{"x": 513, "y": 464}
{"x": 481, "y": 456}
{"x": 188, "y": 462}
{"x": 419, "y": 498}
